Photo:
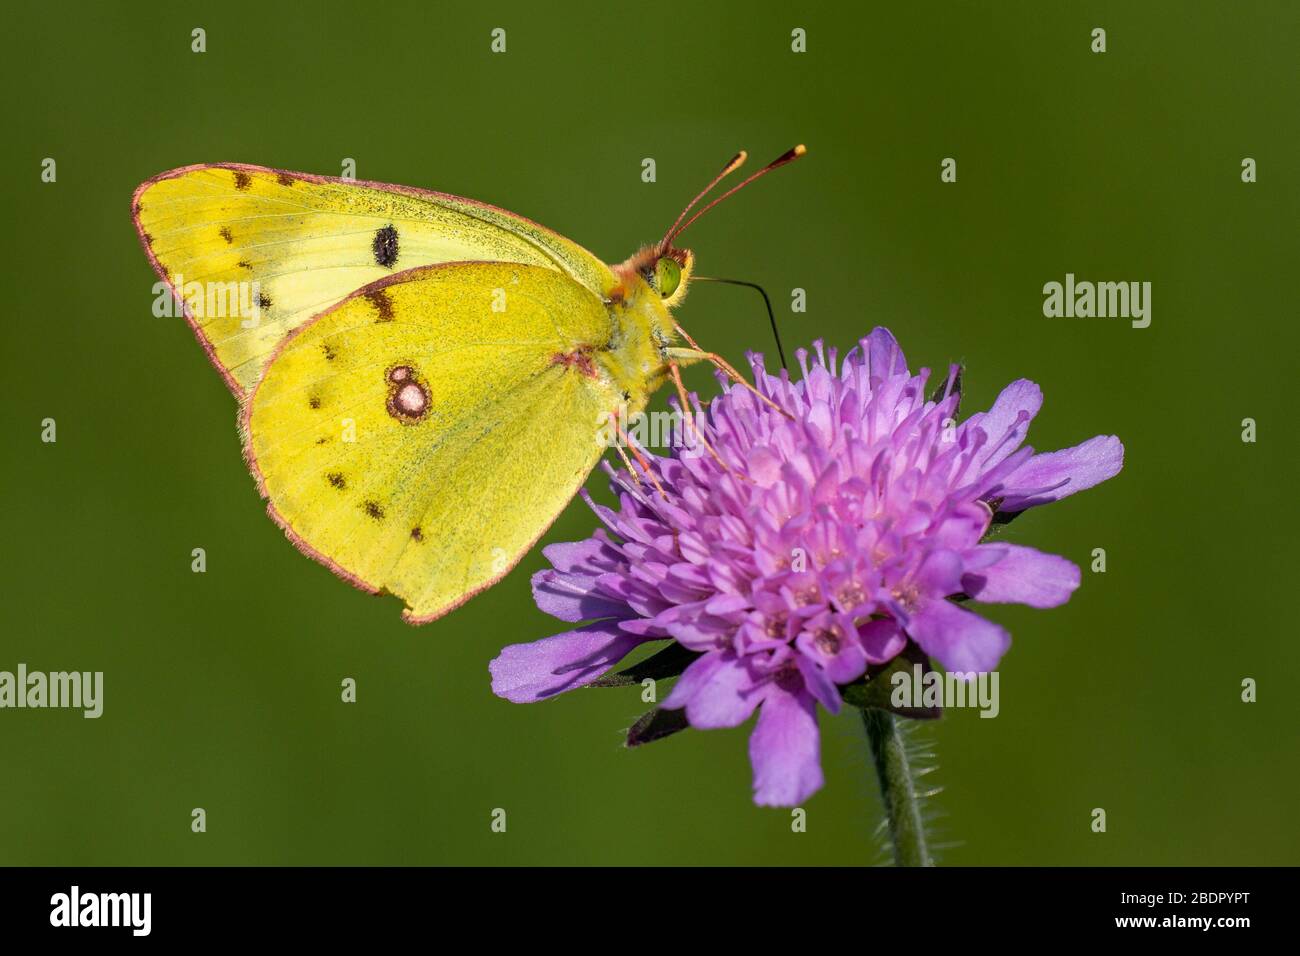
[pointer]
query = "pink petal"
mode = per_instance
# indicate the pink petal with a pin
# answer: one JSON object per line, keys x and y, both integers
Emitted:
{"x": 1023, "y": 576}
{"x": 726, "y": 699}
{"x": 882, "y": 640}
{"x": 699, "y": 673}
{"x": 588, "y": 556}
{"x": 1012, "y": 412}
{"x": 784, "y": 750}
{"x": 959, "y": 640}
{"x": 964, "y": 526}
{"x": 525, "y": 673}
{"x": 1056, "y": 474}
{"x": 884, "y": 357}
{"x": 764, "y": 465}
{"x": 939, "y": 574}
{"x": 573, "y": 597}
{"x": 820, "y": 684}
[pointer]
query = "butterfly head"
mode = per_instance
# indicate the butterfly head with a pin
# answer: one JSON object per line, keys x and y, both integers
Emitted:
{"x": 672, "y": 273}
{"x": 667, "y": 271}
{"x": 665, "y": 267}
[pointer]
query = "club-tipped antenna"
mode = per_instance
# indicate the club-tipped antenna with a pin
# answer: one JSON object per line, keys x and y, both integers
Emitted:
{"x": 789, "y": 156}
{"x": 733, "y": 164}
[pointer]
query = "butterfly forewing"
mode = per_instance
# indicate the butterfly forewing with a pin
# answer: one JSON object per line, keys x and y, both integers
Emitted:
{"x": 254, "y": 253}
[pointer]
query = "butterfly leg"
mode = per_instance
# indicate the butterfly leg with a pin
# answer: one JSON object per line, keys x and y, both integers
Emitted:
{"x": 695, "y": 353}
{"x": 675, "y": 373}
{"x": 627, "y": 463}
{"x": 624, "y": 439}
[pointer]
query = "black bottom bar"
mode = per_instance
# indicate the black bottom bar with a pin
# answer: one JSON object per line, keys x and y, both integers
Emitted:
{"x": 550, "y": 906}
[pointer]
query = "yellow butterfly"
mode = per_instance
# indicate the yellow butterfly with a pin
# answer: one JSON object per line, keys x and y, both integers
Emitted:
{"x": 422, "y": 376}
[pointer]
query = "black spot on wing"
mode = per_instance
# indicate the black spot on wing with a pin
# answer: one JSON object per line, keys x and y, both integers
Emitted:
{"x": 242, "y": 180}
{"x": 263, "y": 300}
{"x": 313, "y": 402}
{"x": 372, "y": 509}
{"x": 225, "y": 234}
{"x": 384, "y": 246}
{"x": 382, "y": 303}
{"x": 416, "y": 534}
{"x": 284, "y": 179}
{"x": 336, "y": 479}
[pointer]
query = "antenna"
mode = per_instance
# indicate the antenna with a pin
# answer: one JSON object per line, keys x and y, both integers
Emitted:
{"x": 732, "y": 165}
{"x": 788, "y": 156}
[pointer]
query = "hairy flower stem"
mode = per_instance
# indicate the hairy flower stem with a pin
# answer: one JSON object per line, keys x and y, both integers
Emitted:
{"x": 906, "y": 830}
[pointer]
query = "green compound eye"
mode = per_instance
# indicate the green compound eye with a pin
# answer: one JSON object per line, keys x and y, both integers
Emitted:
{"x": 668, "y": 275}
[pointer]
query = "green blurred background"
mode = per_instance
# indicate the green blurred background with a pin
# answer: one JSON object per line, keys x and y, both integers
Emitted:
{"x": 222, "y": 689}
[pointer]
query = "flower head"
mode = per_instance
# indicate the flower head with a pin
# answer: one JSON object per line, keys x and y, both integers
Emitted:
{"x": 818, "y": 542}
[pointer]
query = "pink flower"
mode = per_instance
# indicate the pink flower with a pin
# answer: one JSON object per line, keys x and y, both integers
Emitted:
{"x": 831, "y": 538}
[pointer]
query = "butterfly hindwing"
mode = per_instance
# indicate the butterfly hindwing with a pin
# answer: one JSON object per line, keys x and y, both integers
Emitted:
{"x": 254, "y": 253}
{"x": 422, "y": 434}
